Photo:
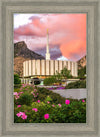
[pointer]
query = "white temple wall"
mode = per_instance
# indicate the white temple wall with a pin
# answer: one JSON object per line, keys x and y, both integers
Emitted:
{"x": 52, "y": 67}
{"x": 33, "y": 67}
{"x": 26, "y": 65}
{"x": 43, "y": 67}
{"x": 24, "y": 74}
{"x": 73, "y": 68}
{"x": 60, "y": 66}
{"x": 64, "y": 64}
{"x": 56, "y": 66}
{"x": 69, "y": 66}
{"x": 37, "y": 67}
{"x": 47, "y": 67}
{"x": 30, "y": 69}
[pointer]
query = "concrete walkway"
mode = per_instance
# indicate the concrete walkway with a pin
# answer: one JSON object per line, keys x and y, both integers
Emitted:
{"x": 72, "y": 93}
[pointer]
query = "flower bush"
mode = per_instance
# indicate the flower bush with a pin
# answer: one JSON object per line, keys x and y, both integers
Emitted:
{"x": 46, "y": 107}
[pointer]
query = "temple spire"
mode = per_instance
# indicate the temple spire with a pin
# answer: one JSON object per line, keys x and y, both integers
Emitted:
{"x": 47, "y": 47}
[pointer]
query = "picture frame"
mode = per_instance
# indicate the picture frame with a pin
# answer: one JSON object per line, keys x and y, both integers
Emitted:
{"x": 8, "y": 8}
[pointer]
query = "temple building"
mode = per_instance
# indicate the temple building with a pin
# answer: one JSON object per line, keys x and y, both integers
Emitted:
{"x": 47, "y": 67}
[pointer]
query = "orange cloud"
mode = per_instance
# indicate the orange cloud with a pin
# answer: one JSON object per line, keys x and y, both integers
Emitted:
{"x": 73, "y": 49}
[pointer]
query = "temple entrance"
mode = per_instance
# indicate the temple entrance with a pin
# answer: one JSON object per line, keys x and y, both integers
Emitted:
{"x": 35, "y": 81}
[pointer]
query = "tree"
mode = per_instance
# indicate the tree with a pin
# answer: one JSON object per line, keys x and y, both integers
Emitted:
{"x": 17, "y": 79}
{"x": 65, "y": 73}
{"x": 82, "y": 72}
{"x": 58, "y": 76}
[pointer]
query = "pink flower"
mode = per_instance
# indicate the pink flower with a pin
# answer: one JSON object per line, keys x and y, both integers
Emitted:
{"x": 83, "y": 100}
{"x": 16, "y": 97}
{"x": 19, "y": 114}
{"x": 46, "y": 116}
{"x": 38, "y": 101}
{"x": 53, "y": 105}
{"x": 35, "y": 109}
{"x": 37, "y": 93}
{"x": 48, "y": 102}
{"x": 59, "y": 105}
{"x": 24, "y": 116}
{"x": 67, "y": 102}
{"x": 15, "y": 93}
{"x": 35, "y": 90}
{"x": 20, "y": 93}
{"x": 19, "y": 106}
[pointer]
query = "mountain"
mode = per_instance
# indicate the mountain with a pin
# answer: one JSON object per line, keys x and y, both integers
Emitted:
{"x": 82, "y": 62}
{"x": 20, "y": 49}
{"x": 21, "y": 54}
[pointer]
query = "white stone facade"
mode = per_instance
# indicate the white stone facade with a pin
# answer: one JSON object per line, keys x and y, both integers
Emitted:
{"x": 48, "y": 67}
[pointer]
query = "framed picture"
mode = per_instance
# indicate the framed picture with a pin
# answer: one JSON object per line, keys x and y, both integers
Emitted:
{"x": 50, "y": 68}
{"x": 50, "y": 61}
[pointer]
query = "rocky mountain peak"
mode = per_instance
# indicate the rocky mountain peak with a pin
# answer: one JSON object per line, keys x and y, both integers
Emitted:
{"x": 21, "y": 54}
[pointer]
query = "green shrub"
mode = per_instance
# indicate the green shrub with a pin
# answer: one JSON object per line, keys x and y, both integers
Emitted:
{"x": 55, "y": 98}
{"x": 25, "y": 99}
{"x": 49, "y": 81}
{"x": 82, "y": 72}
{"x": 77, "y": 84}
{"x": 48, "y": 98}
{"x": 17, "y": 79}
{"x": 16, "y": 86}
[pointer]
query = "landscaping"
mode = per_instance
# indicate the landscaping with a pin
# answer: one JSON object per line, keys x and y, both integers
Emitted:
{"x": 57, "y": 78}
{"x": 33, "y": 104}
{"x": 77, "y": 84}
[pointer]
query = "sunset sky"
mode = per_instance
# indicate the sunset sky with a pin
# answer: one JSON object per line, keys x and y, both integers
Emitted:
{"x": 67, "y": 34}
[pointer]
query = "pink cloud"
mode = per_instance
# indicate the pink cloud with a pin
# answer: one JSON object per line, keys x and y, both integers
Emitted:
{"x": 73, "y": 48}
{"x": 68, "y": 31}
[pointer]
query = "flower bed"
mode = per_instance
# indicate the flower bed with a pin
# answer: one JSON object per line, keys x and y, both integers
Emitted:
{"x": 40, "y": 105}
{"x": 57, "y": 88}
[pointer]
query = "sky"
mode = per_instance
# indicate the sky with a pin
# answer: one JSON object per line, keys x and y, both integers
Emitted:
{"x": 67, "y": 34}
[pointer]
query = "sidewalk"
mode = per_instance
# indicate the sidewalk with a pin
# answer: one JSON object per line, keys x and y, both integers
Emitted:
{"x": 72, "y": 93}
